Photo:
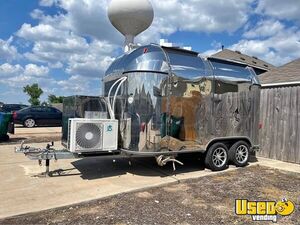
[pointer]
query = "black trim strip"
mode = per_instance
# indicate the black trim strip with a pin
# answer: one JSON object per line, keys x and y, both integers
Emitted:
{"x": 146, "y": 71}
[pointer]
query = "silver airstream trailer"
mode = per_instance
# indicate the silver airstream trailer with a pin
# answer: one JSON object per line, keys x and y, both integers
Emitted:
{"x": 161, "y": 102}
{"x": 173, "y": 101}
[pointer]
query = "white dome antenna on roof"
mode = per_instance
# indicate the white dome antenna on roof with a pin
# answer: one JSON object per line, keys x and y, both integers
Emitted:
{"x": 130, "y": 17}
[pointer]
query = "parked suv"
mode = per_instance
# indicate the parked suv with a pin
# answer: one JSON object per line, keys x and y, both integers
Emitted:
{"x": 9, "y": 108}
{"x": 38, "y": 116}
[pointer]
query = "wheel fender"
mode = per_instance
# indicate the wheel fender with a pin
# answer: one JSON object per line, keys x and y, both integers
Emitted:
{"x": 233, "y": 139}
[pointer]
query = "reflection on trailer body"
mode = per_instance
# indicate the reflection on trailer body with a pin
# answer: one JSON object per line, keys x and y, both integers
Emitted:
{"x": 175, "y": 100}
{"x": 172, "y": 101}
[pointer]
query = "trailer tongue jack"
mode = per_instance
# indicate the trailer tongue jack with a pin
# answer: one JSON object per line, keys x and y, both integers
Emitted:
{"x": 48, "y": 153}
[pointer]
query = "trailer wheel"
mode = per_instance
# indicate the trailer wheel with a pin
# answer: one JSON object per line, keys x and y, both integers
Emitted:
{"x": 239, "y": 153}
{"x": 216, "y": 157}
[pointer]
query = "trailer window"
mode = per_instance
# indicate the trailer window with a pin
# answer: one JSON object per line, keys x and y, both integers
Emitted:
{"x": 186, "y": 65}
{"x": 231, "y": 72}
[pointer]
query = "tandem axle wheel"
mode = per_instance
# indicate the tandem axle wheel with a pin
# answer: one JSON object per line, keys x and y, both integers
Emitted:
{"x": 218, "y": 155}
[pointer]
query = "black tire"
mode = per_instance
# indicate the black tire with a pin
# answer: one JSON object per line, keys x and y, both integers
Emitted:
{"x": 239, "y": 153}
{"x": 216, "y": 157}
{"x": 29, "y": 123}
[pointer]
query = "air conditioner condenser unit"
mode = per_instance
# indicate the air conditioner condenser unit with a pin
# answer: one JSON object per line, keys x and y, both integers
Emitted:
{"x": 92, "y": 135}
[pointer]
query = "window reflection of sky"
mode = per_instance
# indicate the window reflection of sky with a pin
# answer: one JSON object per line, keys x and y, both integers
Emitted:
{"x": 232, "y": 72}
{"x": 186, "y": 65}
{"x": 183, "y": 64}
{"x": 186, "y": 60}
{"x": 227, "y": 69}
{"x": 138, "y": 81}
{"x": 153, "y": 60}
{"x": 233, "y": 79}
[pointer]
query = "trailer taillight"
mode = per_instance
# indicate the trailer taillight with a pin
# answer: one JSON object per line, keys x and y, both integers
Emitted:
{"x": 260, "y": 126}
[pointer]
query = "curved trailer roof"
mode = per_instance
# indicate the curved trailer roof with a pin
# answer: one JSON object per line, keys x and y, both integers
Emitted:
{"x": 182, "y": 63}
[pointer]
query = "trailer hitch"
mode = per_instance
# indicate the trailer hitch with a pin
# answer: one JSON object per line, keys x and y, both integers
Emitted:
{"x": 47, "y": 154}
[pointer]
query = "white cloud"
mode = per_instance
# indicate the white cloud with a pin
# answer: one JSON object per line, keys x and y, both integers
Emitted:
{"x": 196, "y": 16}
{"x": 30, "y": 70}
{"x": 57, "y": 65}
{"x": 93, "y": 61}
{"x": 264, "y": 28}
{"x": 47, "y": 3}
{"x": 210, "y": 52}
{"x": 34, "y": 70}
{"x": 57, "y": 40}
{"x": 80, "y": 41}
{"x": 17, "y": 76}
{"x": 40, "y": 32}
{"x": 8, "y": 52}
{"x": 75, "y": 84}
{"x": 287, "y": 9}
{"x": 37, "y": 14}
{"x": 90, "y": 67}
{"x": 60, "y": 47}
{"x": 89, "y": 17}
{"x": 8, "y": 70}
{"x": 280, "y": 48}
{"x": 14, "y": 77}
{"x": 201, "y": 15}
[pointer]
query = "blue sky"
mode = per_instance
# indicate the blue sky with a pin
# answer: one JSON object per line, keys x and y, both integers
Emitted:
{"x": 66, "y": 45}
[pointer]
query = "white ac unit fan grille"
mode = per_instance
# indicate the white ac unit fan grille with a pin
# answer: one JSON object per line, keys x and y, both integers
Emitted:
{"x": 88, "y": 136}
{"x": 92, "y": 135}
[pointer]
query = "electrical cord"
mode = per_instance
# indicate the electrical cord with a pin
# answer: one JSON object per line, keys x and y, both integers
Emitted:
{"x": 110, "y": 110}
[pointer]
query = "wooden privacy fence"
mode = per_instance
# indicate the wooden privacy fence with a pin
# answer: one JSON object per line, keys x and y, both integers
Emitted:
{"x": 280, "y": 118}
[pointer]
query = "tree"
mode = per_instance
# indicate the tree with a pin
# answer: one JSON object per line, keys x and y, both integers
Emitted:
{"x": 53, "y": 99}
{"x": 34, "y": 92}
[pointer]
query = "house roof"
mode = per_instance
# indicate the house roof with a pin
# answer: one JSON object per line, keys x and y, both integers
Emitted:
{"x": 288, "y": 73}
{"x": 252, "y": 61}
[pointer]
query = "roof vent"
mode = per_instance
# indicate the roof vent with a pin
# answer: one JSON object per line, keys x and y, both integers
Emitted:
{"x": 265, "y": 65}
{"x": 254, "y": 62}
{"x": 238, "y": 52}
{"x": 242, "y": 58}
{"x": 254, "y": 57}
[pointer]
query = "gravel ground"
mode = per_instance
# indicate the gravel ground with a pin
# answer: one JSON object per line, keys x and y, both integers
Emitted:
{"x": 206, "y": 200}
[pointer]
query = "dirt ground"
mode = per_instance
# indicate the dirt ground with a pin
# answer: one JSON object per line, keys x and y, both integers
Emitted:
{"x": 206, "y": 200}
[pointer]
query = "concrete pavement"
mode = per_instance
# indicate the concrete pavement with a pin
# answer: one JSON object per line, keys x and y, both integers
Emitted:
{"x": 21, "y": 191}
{"x": 288, "y": 167}
{"x": 81, "y": 180}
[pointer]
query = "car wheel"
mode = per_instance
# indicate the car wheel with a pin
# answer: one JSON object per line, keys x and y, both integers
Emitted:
{"x": 216, "y": 157}
{"x": 29, "y": 123}
{"x": 239, "y": 153}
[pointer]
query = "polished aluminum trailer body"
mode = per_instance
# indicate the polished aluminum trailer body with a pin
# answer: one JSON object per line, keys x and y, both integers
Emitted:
{"x": 170, "y": 101}
{"x": 174, "y": 100}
